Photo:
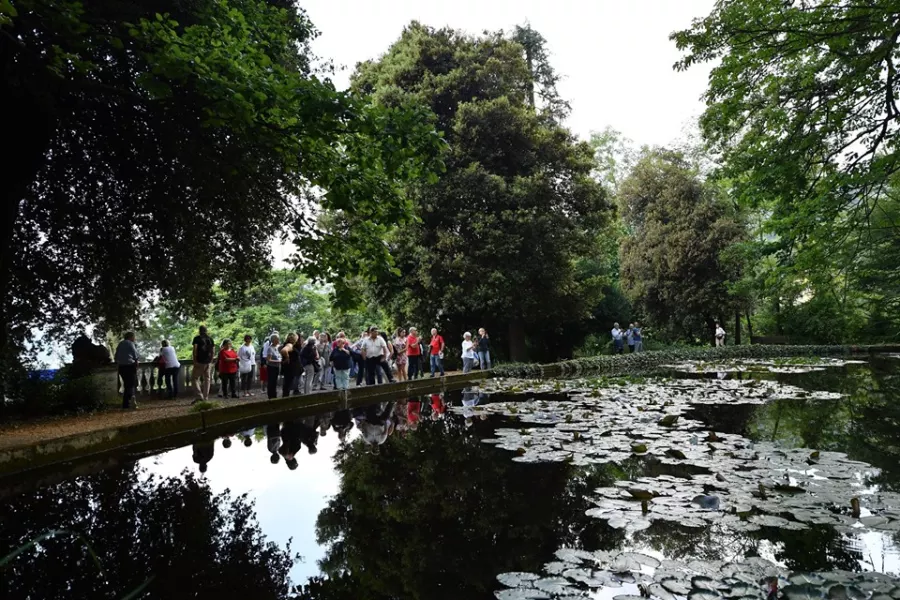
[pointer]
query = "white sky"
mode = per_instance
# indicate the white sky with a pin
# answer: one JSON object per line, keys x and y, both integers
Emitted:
{"x": 615, "y": 55}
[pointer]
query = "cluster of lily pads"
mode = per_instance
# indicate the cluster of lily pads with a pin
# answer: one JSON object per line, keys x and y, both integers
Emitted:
{"x": 726, "y": 481}
{"x": 734, "y": 480}
{"x": 638, "y": 576}
{"x": 794, "y": 365}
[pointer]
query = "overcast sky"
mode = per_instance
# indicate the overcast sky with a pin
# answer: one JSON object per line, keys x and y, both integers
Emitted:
{"x": 614, "y": 55}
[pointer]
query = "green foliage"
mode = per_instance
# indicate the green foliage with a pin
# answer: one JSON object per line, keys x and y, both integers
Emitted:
{"x": 205, "y": 405}
{"x": 165, "y": 144}
{"x": 284, "y": 301}
{"x": 801, "y": 108}
{"x": 499, "y": 233}
{"x": 60, "y": 395}
{"x": 801, "y": 102}
{"x": 672, "y": 265}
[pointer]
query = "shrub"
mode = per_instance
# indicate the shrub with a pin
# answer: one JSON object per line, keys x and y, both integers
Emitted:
{"x": 646, "y": 361}
{"x": 61, "y": 394}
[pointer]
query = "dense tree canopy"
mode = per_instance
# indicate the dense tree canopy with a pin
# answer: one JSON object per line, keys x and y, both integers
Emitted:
{"x": 802, "y": 111}
{"x": 497, "y": 235}
{"x": 162, "y": 145}
{"x": 672, "y": 263}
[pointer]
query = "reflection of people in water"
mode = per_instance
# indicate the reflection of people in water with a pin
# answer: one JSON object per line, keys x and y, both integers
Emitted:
{"x": 375, "y": 423}
{"x": 309, "y": 437}
{"x": 325, "y": 423}
{"x": 342, "y": 424}
{"x": 248, "y": 437}
{"x": 413, "y": 413}
{"x": 290, "y": 443}
{"x": 438, "y": 407}
{"x": 470, "y": 399}
{"x": 273, "y": 441}
{"x": 203, "y": 453}
{"x": 401, "y": 420}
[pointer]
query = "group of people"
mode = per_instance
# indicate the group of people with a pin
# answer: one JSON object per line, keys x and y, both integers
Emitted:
{"x": 375, "y": 423}
{"x": 302, "y": 363}
{"x": 631, "y": 337}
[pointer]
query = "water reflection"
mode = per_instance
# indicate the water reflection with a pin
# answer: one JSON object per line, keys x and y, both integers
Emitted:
{"x": 404, "y": 500}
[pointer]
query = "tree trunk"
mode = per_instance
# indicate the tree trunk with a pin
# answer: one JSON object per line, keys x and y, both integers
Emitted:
{"x": 737, "y": 328}
{"x": 517, "y": 349}
{"x": 749, "y": 327}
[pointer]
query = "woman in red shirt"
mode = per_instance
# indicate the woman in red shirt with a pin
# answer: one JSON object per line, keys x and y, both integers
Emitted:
{"x": 228, "y": 368}
{"x": 413, "y": 354}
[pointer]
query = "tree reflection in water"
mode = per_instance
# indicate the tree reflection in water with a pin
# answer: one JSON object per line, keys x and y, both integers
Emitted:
{"x": 438, "y": 514}
{"x": 192, "y": 542}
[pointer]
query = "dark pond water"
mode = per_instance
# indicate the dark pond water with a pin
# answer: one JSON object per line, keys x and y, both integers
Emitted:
{"x": 420, "y": 499}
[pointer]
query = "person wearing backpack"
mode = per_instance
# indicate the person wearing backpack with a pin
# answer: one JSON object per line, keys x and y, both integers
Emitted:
{"x": 203, "y": 354}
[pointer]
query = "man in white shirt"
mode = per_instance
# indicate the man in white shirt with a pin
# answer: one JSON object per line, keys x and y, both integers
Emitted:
{"x": 618, "y": 339}
{"x": 373, "y": 350}
{"x": 171, "y": 369}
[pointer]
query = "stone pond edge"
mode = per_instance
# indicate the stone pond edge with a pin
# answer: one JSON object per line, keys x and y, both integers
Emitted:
{"x": 27, "y": 457}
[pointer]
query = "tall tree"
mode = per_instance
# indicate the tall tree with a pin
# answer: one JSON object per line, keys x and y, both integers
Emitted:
{"x": 498, "y": 233}
{"x": 671, "y": 262}
{"x": 164, "y": 144}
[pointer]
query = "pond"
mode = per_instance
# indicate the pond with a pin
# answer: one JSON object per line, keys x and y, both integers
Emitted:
{"x": 736, "y": 480}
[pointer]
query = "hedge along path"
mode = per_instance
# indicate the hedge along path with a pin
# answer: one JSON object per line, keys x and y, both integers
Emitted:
{"x": 641, "y": 362}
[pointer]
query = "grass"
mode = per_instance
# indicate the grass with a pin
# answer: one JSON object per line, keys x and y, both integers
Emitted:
{"x": 205, "y": 405}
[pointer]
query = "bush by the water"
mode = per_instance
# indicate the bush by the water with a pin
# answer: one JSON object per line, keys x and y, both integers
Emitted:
{"x": 616, "y": 364}
{"x": 61, "y": 394}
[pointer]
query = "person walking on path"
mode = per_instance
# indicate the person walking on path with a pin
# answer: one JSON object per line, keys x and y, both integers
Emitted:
{"x": 720, "y": 335}
{"x": 437, "y": 353}
{"x": 636, "y": 334}
{"x": 228, "y": 368}
{"x": 171, "y": 368}
{"x": 127, "y": 362}
{"x": 290, "y": 365}
{"x": 618, "y": 337}
{"x": 203, "y": 353}
{"x": 246, "y": 357}
{"x": 341, "y": 360}
{"x": 468, "y": 352}
{"x": 273, "y": 366}
{"x": 401, "y": 358}
{"x": 373, "y": 350}
{"x": 309, "y": 360}
{"x": 413, "y": 354}
{"x": 483, "y": 349}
